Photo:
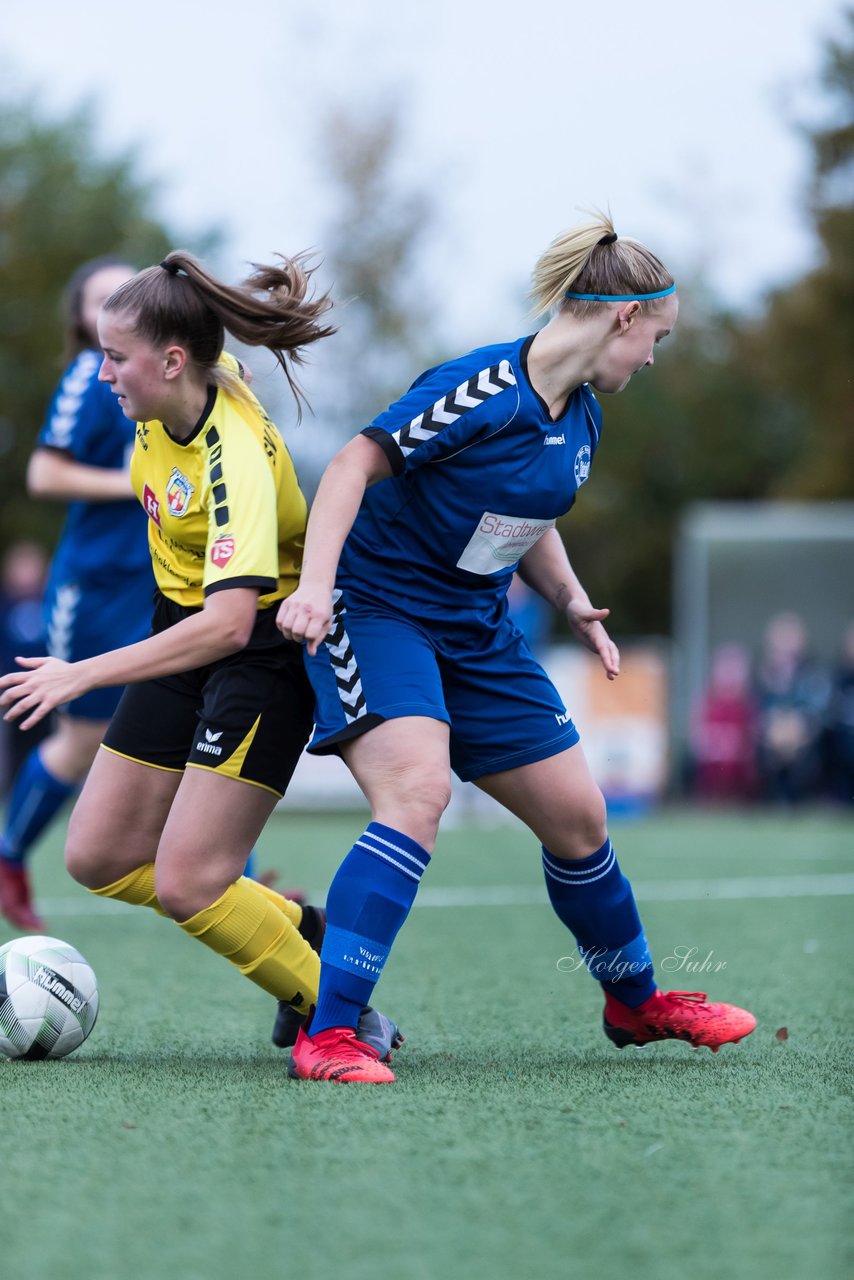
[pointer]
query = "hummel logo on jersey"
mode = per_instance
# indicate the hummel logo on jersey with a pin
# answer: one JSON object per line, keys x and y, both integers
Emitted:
{"x": 208, "y": 746}
{"x": 555, "y": 440}
{"x": 562, "y": 718}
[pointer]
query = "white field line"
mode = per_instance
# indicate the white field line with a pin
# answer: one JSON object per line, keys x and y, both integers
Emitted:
{"x": 735, "y": 888}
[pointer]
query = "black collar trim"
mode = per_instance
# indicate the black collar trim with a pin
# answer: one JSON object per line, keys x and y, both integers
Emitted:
{"x": 206, "y": 413}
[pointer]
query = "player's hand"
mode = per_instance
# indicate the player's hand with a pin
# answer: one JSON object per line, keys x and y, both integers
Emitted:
{"x": 586, "y": 625}
{"x": 46, "y": 683}
{"x": 306, "y": 616}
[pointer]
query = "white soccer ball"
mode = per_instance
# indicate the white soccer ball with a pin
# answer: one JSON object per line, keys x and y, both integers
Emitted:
{"x": 48, "y": 998}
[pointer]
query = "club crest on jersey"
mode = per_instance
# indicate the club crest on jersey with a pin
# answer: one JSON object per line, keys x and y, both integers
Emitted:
{"x": 222, "y": 549}
{"x": 151, "y": 504}
{"x": 582, "y": 465}
{"x": 179, "y": 491}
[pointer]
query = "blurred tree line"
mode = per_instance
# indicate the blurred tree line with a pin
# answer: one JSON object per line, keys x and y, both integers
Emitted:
{"x": 60, "y": 205}
{"x": 744, "y": 407}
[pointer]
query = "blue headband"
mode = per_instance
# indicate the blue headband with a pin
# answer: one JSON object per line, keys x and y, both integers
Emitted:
{"x": 620, "y": 297}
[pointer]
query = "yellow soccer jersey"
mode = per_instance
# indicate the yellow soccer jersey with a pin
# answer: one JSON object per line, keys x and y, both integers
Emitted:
{"x": 224, "y": 506}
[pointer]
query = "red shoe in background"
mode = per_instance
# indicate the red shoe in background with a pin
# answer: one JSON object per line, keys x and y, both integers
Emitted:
{"x": 16, "y": 901}
{"x": 676, "y": 1015}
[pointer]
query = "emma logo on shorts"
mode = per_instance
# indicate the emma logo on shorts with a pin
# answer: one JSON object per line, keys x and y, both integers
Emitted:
{"x": 209, "y": 746}
{"x": 222, "y": 549}
{"x": 500, "y": 542}
{"x": 151, "y": 504}
{"x": 179, "y": 491}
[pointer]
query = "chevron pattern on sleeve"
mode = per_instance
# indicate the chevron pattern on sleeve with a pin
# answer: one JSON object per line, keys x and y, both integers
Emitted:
{"x": 347, "y": 675}
{"x": 60, "y": 627}
{"x": 74, "y": 386}
{"x": 489, "y": 382}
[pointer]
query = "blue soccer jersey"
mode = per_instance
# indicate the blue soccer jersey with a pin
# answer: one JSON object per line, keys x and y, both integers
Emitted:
{"x": 480, "y": 473}
{"x": 102, "y": 543}
{"x": 98, "y": 595}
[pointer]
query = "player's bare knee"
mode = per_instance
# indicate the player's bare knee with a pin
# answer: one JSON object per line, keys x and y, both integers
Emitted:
{"x": 174, "y": 899}
{"x": 414, "y": 803}
{"x": 595, "y": 818}
{"x": 86, "y": 867}
{"x": 582, "y": 831}
{"x": 83, "y": 859}
{"x": 177, "y": 898}
{"x": 429, "y": 794}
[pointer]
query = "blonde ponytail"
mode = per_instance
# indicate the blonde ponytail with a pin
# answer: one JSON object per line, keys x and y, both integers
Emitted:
{"x": 593, "y": 259}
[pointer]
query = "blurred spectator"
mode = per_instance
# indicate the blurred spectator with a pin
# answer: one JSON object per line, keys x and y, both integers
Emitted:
{"x": 792, "y": 693}
{"x": 531, "y": 614}
{"x": 723, "y": 733}
{"x": 22, "y": 634}
{"x": 840, "y": 725}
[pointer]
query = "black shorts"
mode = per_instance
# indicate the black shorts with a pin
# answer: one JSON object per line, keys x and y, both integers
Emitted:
{"x": 247, "y": 716}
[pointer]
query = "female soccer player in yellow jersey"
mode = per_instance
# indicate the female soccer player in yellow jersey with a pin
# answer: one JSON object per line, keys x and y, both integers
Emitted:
{"x": 218, "y": 706}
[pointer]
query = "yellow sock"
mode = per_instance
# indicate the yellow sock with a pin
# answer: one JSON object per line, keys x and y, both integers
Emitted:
{"x": 292, "y": 909}
{"x": 253, "y": 932}
{"x": 137, "y": 888}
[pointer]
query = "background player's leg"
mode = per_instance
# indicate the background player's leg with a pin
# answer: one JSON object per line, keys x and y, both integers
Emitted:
{"x": 45, "y": 781}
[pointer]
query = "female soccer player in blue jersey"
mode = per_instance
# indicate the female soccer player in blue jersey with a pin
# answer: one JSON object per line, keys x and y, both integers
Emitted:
{"x": 417, "y": 527}
{"x": 99, "y": 590}
{"x": 217, "y": 707}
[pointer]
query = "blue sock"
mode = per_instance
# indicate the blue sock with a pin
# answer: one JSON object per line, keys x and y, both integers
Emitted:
{"x": 595, "y": 901}
{"x": 368, "y": 901}
{"x": 37, "y": 796}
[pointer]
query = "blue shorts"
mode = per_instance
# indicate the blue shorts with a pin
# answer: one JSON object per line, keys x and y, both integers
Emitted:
{"x": 85, "y": 621}
{"x": 378, "y": 665}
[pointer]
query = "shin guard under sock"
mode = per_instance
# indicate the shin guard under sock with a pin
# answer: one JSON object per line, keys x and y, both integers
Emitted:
{"x": 368, "y": 900}
{"x": 595, "y": 901}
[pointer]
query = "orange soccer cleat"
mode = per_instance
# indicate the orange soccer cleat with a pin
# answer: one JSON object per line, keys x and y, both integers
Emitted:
{"x": 677, "y": 1015}
{"x": 335, "y": 1054}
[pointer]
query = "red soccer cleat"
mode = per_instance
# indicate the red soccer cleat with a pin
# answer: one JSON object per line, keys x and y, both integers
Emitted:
{"x": 16, "y": 902}
{"x": 677, "y": 1015}
{"x": 336, "y": 1054}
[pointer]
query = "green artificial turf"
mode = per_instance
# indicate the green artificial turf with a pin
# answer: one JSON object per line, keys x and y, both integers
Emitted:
{"x": 517, "y": 1141}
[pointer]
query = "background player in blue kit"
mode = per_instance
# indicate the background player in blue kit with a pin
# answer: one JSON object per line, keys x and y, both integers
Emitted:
{"x": 99, "y": 591}
{"x": 417, "y": 527}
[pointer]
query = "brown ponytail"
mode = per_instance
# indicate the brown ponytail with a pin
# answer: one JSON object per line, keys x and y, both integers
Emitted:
{"x": 179, "y": 301}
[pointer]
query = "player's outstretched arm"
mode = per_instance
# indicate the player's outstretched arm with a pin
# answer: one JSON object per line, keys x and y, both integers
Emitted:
{"x": 307, "y": 614}
{"x": 221, "y": 628}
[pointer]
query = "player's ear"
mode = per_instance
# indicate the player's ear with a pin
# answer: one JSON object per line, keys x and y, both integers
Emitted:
{"x": 626, "y": 314}
{"x": 174, "y": 361}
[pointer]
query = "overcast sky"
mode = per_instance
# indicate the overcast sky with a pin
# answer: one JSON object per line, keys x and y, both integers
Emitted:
{"x": 679, "y": 116}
